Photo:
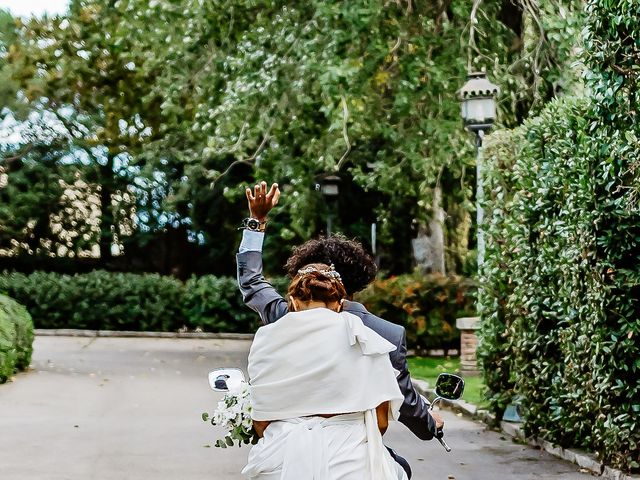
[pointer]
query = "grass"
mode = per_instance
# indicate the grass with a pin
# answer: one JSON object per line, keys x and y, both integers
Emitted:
{"x": 428, "y": 368}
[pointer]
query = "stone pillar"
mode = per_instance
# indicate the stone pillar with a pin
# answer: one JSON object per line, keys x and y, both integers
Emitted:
{"x": 468, "y": 345}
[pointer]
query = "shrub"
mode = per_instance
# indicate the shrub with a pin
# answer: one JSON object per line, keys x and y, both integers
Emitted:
{"x": 426, "y": 305}
{"x": 24, "y": 330}
{"x": 214, "y": 304}
{"x": 8, "y": 350}
{"x": 102, "y": 300}
{"x": 99, "y": 300}
{"x": 16, "y": 337}
{"x": 560, "y": 297}
{"x": 560, "y": 317}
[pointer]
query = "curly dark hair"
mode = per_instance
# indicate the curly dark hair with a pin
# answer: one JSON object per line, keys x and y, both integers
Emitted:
{"x": 356, "y": 267}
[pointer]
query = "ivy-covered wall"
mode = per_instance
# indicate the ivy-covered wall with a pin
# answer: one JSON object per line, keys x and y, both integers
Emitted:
{"x": 561, "y": 299}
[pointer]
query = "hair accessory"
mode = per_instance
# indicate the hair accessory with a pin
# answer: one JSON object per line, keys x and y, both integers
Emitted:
{"x": 331, "y": 273}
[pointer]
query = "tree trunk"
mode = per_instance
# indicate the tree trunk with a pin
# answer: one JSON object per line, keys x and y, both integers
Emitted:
{"x": 428, "y": 246}
{"x": 106, "y": 214}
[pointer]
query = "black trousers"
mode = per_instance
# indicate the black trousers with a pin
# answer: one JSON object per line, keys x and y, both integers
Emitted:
{"x": 403, "y": 463}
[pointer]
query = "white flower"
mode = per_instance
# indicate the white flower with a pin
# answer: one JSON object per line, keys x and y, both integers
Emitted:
{"x": 233, "y": 411}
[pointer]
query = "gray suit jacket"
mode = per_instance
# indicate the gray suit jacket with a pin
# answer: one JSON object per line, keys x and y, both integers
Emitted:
{"x": 261, "y": 297}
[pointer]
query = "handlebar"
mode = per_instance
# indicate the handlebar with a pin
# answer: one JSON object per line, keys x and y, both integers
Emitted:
{"x": 439, "y": 430}
{"x": 439, "y": 435}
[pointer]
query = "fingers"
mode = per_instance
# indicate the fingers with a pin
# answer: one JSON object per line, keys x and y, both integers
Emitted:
{"x": 260, "y": 189}
{"x": 259, "y": 192}
{"x": 273, "y": 195}
{"x": 272, "y": 190}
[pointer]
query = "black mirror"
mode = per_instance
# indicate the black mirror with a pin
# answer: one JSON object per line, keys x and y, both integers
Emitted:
{"x": 449, "y": 386}
{"x": 225, "y": 379}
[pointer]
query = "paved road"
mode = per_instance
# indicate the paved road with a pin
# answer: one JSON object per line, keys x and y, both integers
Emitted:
{"x": 124, "y": 408}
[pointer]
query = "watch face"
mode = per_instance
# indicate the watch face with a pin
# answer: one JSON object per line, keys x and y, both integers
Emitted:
{"x": 253, "y": 224}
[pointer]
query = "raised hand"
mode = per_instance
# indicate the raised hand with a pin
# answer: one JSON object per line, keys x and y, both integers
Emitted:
{"x": 260, "y": 201}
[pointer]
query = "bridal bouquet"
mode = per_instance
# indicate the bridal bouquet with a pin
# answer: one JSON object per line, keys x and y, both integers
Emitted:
{"x": 234, "y": 414}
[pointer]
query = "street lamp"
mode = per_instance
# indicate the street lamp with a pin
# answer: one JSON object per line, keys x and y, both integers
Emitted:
{"x": 330, "y": 188}
{"x": 478, "y": 110}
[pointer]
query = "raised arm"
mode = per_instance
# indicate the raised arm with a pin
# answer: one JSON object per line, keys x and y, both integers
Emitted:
{"x": 257, "y": 293}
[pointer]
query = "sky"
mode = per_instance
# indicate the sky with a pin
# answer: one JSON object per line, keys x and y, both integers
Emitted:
{"x": 34, "y": 7}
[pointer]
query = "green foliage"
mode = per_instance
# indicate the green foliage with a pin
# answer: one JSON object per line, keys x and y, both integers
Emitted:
{"x": 99, "y": 300}
{"x": 497, "y": 334}
{"x": 33, "y": 198}
{"x": 426, "y": 305}
{"x": 160, "y": 99}
{"x": 213, "y": 304}
{"x": 561, "y": 281}
{"x": 102, "y": 300}
{"x": 24, "y": 330}
{"x": 8, "y": 351}
{"x": 560, "y": 307}
{"x": 16, "y": 338}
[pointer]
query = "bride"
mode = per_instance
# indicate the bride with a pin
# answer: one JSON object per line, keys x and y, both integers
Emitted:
{"x": 322, "y": 390}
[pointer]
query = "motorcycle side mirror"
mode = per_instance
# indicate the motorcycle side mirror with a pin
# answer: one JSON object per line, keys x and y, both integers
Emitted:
{"x": 449, "y": 386}
{"x": 225, "y": 379}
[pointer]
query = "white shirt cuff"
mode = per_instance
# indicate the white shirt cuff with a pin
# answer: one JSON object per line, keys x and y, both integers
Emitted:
{"x": 251, "y": 241}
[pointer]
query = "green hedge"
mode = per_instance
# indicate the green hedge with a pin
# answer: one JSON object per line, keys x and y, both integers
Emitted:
{"x": 214, "y": 305}
{"x": 560, "y": 307}
{"x": 561, "y": 304}
{"x": 16, "y": 338}
{"x": 101, "y": 300}
{"x": 426, "y": 305}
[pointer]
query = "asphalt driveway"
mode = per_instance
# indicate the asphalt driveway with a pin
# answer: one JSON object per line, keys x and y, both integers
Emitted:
{"x": 130, "y": 408}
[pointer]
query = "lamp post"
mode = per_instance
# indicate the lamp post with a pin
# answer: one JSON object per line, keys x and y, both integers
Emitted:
{"x": 478, "y": 110}
{"x": 330, "y": 188}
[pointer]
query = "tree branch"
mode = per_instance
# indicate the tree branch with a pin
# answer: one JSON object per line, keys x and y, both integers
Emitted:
{"x": 472, "y": 31}
{"x": 249, "y": 160}
{"x": 13, "y": 158}
{"x": 345, "y": 133}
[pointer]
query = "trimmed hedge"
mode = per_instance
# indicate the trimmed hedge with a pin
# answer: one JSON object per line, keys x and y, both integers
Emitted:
{"x": 215, "y": 305}
{"x": 16, "y": 338}
{"x": 99, "y": 300}
{"x": 561, "y": 307}
{"x": 561, "y": 299}
{"x": 102, "y": 300}
{"x": 426, "y": 305}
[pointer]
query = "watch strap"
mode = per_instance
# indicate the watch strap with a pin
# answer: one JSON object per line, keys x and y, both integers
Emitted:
{"x": 253, "y": 224}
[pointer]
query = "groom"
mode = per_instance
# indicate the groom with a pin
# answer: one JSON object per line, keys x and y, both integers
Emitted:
{"x": 357, "y": 270}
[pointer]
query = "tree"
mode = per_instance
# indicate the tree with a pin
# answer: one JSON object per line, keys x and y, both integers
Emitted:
{"x": 72, "y": 81}
{"x": 181, "y": 103}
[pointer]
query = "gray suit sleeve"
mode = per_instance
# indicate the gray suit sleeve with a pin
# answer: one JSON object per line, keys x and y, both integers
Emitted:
{"x": 257, "y": 293}
{"x": 414, "y": 412}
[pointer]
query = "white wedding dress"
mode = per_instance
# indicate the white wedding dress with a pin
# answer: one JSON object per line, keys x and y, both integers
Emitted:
{"x": 319, "y": 362}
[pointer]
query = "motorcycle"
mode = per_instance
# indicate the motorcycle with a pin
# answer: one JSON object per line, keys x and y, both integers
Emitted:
{"x": 448, "y": 387}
